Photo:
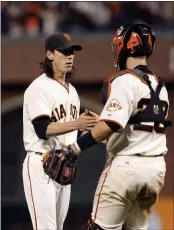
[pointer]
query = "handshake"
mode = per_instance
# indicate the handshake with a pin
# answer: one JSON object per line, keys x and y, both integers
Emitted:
{"x": 74, "y": 149}
{"x": 87, "y": 120}
{"x": 71, "y": 150}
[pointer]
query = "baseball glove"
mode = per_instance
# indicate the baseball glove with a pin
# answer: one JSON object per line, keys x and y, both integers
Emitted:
{"x": 63, "y": 170}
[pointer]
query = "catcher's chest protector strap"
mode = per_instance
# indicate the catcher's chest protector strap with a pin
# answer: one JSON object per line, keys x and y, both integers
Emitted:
{"x": 154, "y": 109}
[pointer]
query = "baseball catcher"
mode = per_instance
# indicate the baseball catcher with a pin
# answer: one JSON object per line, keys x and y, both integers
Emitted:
{"x": 134, "y": 122}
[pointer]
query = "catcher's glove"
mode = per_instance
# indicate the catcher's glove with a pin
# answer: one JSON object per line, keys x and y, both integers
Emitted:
{"x": 63, "y": 170}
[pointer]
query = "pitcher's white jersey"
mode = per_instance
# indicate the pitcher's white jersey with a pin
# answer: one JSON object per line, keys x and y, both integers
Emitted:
{"x": 47, "y": 97}
{"x": 128, "y": 95}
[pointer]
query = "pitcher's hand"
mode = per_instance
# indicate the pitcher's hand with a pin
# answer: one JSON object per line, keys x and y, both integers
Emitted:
{"x": 95, "y": 115}
{"x": 86, "y": 122}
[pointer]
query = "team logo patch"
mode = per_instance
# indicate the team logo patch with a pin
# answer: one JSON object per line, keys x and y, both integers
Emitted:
{"x": 67, "y": 37}
{"x": 114, "y": 105}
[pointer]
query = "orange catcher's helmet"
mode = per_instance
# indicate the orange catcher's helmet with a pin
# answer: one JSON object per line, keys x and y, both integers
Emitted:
{"x": 132, "y": 40}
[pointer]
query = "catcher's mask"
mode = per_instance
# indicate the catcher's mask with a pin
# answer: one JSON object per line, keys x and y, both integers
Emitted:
{"x": 132, "y": 40}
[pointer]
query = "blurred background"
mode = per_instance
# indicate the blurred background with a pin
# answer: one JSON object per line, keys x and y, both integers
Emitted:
{"x": 24, "y": 26}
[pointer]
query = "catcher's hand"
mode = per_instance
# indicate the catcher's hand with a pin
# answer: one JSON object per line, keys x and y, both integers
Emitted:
{"x": 60, "y": 166}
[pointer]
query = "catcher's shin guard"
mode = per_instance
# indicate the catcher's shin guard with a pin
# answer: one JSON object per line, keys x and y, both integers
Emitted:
{"x": 93, "y": 226}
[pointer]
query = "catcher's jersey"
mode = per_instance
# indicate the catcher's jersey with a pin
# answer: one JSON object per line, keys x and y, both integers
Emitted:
{"x": 128, "y": 95}
{"x": 46, "y": 96}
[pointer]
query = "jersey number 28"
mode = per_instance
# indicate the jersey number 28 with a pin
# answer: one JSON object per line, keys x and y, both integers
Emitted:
{"x": 149, "y": 128}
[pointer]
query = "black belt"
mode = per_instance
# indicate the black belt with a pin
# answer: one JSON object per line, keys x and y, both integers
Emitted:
{"x": 139, "y": 155}
{"x": 38, "y": 153}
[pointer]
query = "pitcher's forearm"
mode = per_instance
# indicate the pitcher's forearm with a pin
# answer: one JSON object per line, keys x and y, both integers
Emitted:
{"x": 56, "y": 129}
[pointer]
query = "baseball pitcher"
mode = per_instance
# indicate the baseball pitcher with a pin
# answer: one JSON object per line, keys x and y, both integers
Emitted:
{"x": 50, "y": 120}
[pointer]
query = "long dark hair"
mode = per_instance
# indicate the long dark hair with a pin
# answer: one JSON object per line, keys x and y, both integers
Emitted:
{"x": 47, "y": 68}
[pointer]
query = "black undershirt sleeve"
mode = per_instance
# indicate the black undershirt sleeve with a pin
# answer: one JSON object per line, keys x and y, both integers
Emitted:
{"x": 87, "y": 139}
{"x": 113, "y": 126}
{"x": 40, "y": 126}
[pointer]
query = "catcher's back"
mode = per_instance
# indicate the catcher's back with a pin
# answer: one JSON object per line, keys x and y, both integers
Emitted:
{"x": 129, "y": 95}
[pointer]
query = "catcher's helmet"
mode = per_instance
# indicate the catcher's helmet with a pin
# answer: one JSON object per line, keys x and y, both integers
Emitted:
{"x": 132, "y": 40}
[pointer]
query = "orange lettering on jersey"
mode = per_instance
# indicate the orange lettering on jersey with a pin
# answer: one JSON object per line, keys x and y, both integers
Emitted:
{"x": 114, "y": 105}
{"x": 62, "y": 112}
{"x": 73, "y": 111}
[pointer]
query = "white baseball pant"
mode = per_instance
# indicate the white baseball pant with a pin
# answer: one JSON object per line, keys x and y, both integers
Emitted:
{"x": 47, "y": 201}
{"x": 127, "y": 190}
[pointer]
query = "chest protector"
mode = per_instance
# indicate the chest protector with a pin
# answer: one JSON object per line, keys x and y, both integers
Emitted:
{"x": 154, "y": 107}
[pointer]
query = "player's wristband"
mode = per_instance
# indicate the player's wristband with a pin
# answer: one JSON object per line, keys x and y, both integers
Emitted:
{"x": 85, "y": 141}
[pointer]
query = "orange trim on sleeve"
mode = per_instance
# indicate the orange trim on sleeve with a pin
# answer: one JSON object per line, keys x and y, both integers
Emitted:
{"x": 43, "y": 115}
{"x": 113, "y": 122}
